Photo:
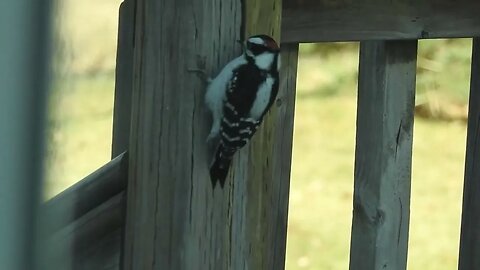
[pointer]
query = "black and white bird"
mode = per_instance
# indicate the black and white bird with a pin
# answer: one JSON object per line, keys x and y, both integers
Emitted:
{"x": 239, "y": 97}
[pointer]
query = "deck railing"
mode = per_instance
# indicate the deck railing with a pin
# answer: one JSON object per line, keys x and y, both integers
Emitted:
{"x": 169, "y": 218}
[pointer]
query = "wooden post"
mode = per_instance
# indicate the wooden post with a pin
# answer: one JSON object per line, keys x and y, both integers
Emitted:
{"x": 383, "y": 155}
{"x": 275, "y": 206}
{"x": 261, "y": 172}
{"x": 470, "y": 235}
{"x": 123, "y": 79}
{"x": 174, "y": 218}
{"x": 24, "y": 32}
{"x": 122, "y": 109}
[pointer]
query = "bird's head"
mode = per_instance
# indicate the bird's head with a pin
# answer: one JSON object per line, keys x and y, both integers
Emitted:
{"x": 263, "y": 50}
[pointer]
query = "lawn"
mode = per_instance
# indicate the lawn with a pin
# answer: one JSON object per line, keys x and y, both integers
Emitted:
{"x": 322, "y": 180}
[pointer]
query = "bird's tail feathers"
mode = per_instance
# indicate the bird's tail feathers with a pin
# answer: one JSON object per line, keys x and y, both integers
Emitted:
{"x": 219, "y": 168}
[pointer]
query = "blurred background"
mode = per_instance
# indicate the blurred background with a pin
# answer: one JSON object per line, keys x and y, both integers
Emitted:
{"x": 80, "y": 127}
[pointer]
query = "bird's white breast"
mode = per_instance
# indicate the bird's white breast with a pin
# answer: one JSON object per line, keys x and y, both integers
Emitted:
{"x": 264, "y": 60}
{"x": 263, "y": 98}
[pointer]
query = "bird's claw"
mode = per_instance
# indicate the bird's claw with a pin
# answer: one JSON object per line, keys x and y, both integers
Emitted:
{"x": 211, "y": 137}
{"x": 202, "y": 74}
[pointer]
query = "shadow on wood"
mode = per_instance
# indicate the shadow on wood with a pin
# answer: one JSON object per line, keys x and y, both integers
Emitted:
{"x": 84, "y": 223}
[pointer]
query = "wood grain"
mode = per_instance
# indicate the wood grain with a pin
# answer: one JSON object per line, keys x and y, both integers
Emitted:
{"x": 383, "y": 155}
{"x": 470, "y": 233}
{"x": 347, "y": 20}
{"x": 260, "y": 175}
{"x": 174, "y": 221}
{"x": 174, "y": 218}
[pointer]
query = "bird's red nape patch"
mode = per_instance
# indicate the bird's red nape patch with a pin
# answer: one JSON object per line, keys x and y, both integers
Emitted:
{"x": 270, "y": 43}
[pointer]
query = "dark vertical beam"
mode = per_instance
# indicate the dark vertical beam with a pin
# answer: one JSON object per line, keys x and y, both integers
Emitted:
{"x": 470, "y": 234}
{"x": 276, "y": 204}
{"x": 383, "y": 155}
{"x": 123, "y": 79}
{"x": 122, "y": 108}
{"x": 24, "y": 32}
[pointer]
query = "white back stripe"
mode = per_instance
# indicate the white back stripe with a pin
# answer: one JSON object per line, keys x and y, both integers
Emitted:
{"x": 263, "y": 98}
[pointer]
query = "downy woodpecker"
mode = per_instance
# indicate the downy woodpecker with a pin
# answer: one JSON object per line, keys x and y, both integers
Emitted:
{"x": 239, "y": 97}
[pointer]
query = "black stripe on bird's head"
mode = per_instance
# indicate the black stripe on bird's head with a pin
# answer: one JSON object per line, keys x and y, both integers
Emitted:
{"x": 258, "y": 44}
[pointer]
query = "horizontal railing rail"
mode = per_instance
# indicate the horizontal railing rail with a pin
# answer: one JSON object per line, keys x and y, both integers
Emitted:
{"x": 86, "y": 195}
{"x": 83, "y": 225}
{"x": 327, "y": 21}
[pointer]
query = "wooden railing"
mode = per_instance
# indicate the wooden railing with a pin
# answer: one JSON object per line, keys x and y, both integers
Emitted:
{"x": 89, "y": 218}
{"x": 84, "y": 223}
{"x": 343, "y": 20}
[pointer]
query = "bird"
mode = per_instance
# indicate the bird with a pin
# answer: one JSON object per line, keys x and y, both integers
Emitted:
{"x": 238, "y": 99}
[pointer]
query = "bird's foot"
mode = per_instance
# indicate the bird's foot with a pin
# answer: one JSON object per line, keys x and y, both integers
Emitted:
{"x": 202, "y": 74}
{"x": 212, "y": 137}
{"x": 201, "y": 70}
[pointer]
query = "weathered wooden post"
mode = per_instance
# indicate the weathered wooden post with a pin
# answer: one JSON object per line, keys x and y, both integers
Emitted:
{"x": 470, "y": 236}
{"x": 24, "y": 33}
{"x": 174, "y": 218}
{"x": 383, "y": 155}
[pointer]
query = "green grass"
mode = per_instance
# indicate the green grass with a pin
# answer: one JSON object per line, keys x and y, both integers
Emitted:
{"x": 323, "y": 154}
{"x": 322, "y": 179}
{"x": 322, "y": 188}
{"x": 80, "y": 130}
{"x": 443, "y": 69}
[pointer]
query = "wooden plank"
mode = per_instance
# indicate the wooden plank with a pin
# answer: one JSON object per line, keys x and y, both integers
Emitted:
{"x": 84, "y": 224}
{"x": 261, "y": 172}
{"x": 346, "y": 20}
{"x": 383, "y": 155}
{"x": 122, "y": 109}
{"x": 174, "y": 219}
{"x": 24, "y": 34}
{"x": 470, "y": 233}
{"x": 91, "y": 242}
{"x": 104, "y": 254}
{"x": 123, "y": 79}
{"x": 86, "y": 195}
{"x": 283, "y": 144}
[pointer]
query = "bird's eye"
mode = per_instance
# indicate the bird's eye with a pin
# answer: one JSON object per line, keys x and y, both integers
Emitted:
{"x": 256, "y": 49}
